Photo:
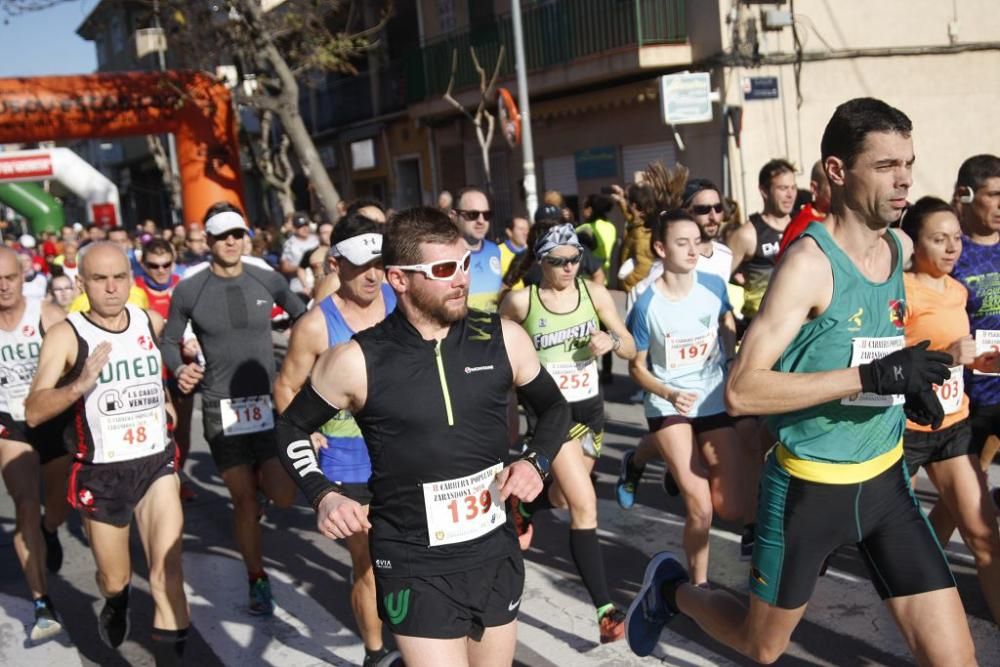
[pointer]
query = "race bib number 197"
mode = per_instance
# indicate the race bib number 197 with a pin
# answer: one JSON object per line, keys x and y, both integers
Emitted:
{"x": 864, "y": 350}
{"x": 464, "y": 508}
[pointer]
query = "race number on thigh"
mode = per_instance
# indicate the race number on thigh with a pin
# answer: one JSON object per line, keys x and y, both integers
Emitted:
{"x": 950, "y": 393}
{"x": 865, "y": 350}
{"x": 987, "y": 340}
{"x": 246, "y": 415}
{"x": 690, "y": 352}
{"x": 464, "y": 508}
{"x": 577, "y": 380}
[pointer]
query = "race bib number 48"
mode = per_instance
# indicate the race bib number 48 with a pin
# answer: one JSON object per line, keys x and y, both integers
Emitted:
{"x": 252, "y": 414}
{"x": 464, "y": 508}
{"x": 864, "y": 350}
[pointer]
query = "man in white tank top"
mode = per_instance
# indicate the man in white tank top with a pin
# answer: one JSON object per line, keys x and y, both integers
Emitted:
{"x": 30, "y": 455}
{"x": 106, "y": 366}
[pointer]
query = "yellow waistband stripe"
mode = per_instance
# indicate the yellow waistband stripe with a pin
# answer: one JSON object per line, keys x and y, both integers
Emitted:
{"x": 837, "y": 473}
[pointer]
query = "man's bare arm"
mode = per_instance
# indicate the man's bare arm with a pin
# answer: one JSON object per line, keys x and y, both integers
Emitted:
{"x": 308, "y": 342}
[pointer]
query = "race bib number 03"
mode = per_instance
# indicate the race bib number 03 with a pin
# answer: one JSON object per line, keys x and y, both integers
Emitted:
{"x": 464, "y": 508}
{"x": 987, "y": 340}
{"x": 951, "y": 392}
{"x": 252, "y": 414}
{"x": 864, "y": 350}
{"x": 690, "y": 352}
{"x": 577, "y": 380}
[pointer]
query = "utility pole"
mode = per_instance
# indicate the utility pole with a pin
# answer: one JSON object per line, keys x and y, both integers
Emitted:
{"x": 171, "y": 142}
{"x": 527, "y": 146}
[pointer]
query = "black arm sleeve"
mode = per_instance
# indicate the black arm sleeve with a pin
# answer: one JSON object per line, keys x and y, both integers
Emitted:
{"x": 304, "y": 415}
{"x": 542, "y": 395}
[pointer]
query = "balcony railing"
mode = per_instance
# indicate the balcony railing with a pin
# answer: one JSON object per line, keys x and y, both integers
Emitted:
{"x": 556, "y": 32}
{"x": 349, "y": 99}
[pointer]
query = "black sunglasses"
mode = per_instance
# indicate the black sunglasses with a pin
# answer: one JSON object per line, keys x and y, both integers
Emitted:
{"x": 150, "y": 265}
{"x": 474, "y": 215}
{"x": 705, "y": 209}
{"x": 232, "y": 233}
{"x": 562, "y": 261}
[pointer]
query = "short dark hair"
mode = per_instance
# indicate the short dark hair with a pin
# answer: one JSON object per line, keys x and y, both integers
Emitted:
{"x": 359, "y": 204}
{"x": 917, "y": 214}
{"x": 466, "y": 190}
{"x": 219, "y": 207}
{"x": 509, "y": 222}
{"x": 696, "y": 185}
{"x": 411, "y": 227}
{"x": 354, "y": 224}
{"x": 599, "y": 205}
{"x": 158, "y": 246}
{"x": 853, "y": 120}
{"x": 975, "y": 171}
{"x": 663, "y": 222}
{"x": 775, "y": 167}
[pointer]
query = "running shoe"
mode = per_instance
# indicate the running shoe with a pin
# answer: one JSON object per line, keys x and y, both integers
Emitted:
{"x": 46, "y": 622}
{"x": 383, "y": 658}
{"x": 746, "y": 542}
{"x": 628, "y": 482}
{"x": 670, "y": 484}
{"x": 522, "y": 524}
{"x": 113, "y": 624}
{"x": 53, "y": 549}
{"x": 649, "y": 612}
{"x": 612, "y": 625}
{"x": 261, "y": 601}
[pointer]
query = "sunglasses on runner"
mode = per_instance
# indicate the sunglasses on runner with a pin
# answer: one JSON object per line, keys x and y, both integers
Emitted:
{"x": 232, "y": 233}
{"x": 474, "y": 215}
{"x": 705, "y": 209}
{"x": 562, "y": 261}
{"x": 443, "y": 269}
{"x": 167, "y": 265}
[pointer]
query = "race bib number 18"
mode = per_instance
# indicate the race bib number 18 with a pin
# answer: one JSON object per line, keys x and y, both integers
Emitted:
{"x": 864, "y": 350}
{"x": 464, "y": 508}
{"x": 252, "y": 414}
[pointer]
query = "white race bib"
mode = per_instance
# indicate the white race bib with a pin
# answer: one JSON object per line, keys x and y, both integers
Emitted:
{"x": 252, "y": 414}
{"x": 865, "y": 350}
{"x": 951, "y": 392}
{"x": 15, "y": 400}
{"x": 577, "y": 380}
{"x": 690, "y": 352}
{"x": 132, "y": 435}
{"x": 987, "y": 340}
{"x": 464, "y": 508}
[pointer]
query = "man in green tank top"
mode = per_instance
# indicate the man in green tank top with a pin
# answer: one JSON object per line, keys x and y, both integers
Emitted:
{"x": 825, "y": 359}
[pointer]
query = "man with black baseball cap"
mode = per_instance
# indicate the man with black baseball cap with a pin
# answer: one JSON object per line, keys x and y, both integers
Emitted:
{"x": 298, "y": 244}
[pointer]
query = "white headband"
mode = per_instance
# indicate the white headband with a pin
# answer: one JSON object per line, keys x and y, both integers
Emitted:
{"x": 359, "y": 250}
{"x": 224, "y": 221}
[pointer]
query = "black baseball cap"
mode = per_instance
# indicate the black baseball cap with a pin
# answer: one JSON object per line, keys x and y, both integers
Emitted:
{"x": 547, "y": 212}
{"x": 300, "y": 219}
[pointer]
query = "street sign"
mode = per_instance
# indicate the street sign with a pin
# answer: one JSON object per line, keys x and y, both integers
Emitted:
{"x": 686, "y": 98}
{"x": 760, "y": 88}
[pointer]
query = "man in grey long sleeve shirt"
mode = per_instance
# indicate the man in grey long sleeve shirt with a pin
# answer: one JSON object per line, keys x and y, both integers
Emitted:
{"x": 229, "y": 307}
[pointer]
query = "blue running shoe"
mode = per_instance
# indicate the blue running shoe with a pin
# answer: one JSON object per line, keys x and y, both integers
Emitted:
{"x": 261, "y": 601}
{"x": 649, "y": 612}
{"x": 628, "y": 482}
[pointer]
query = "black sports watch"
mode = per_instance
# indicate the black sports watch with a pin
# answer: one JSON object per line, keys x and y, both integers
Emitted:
{"x": 539, "y": 462}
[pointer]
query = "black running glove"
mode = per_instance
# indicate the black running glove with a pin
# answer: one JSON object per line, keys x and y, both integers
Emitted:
{"x": 924, "y": 408}
{"x": 907, "y": 371}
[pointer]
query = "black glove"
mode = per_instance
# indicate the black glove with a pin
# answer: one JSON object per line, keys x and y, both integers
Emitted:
{"x": 906, "y": 371}
{"x": 924, "y": 408}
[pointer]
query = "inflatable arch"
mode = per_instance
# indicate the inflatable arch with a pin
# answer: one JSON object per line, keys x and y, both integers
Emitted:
{"x": 192, "y": 105}
{"x": 71, "y": 170}
{"x": 41, "y": 209}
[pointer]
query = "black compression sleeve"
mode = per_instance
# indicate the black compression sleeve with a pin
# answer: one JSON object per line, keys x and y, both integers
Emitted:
{"x": 543, "y": 397}
{"x": 304, "y": 415}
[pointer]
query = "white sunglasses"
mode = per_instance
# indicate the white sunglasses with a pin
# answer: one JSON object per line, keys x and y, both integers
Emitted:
{"x": 443, "y": 269}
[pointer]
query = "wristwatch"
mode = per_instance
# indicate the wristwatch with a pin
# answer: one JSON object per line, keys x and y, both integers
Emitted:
{"x": 616, "y": 341}
{"x": 540, "y": 462}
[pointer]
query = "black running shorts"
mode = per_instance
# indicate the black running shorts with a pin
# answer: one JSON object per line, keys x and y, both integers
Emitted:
{"x": 451, "y": 606}
{"x": 229, "y": 451}
{"x": 800, "y": 523}
{"x": 923, "y": 447}
{"x": 46, "y": 439}
{"x": 109, "y": 492}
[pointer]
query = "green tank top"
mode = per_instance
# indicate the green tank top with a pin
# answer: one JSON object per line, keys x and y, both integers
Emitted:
{"x": 860, "y": 310}
{"x": 561, "y": 337}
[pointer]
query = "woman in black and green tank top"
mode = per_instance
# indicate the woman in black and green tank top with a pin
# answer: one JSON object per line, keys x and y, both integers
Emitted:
{"x": 563, "y": 317}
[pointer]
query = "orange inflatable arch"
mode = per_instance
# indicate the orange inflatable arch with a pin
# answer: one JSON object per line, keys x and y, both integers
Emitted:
{"x": 193, "y": 105}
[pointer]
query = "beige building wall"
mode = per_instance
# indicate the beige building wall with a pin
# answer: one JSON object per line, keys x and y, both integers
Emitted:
{"x": 952, "y": 98}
